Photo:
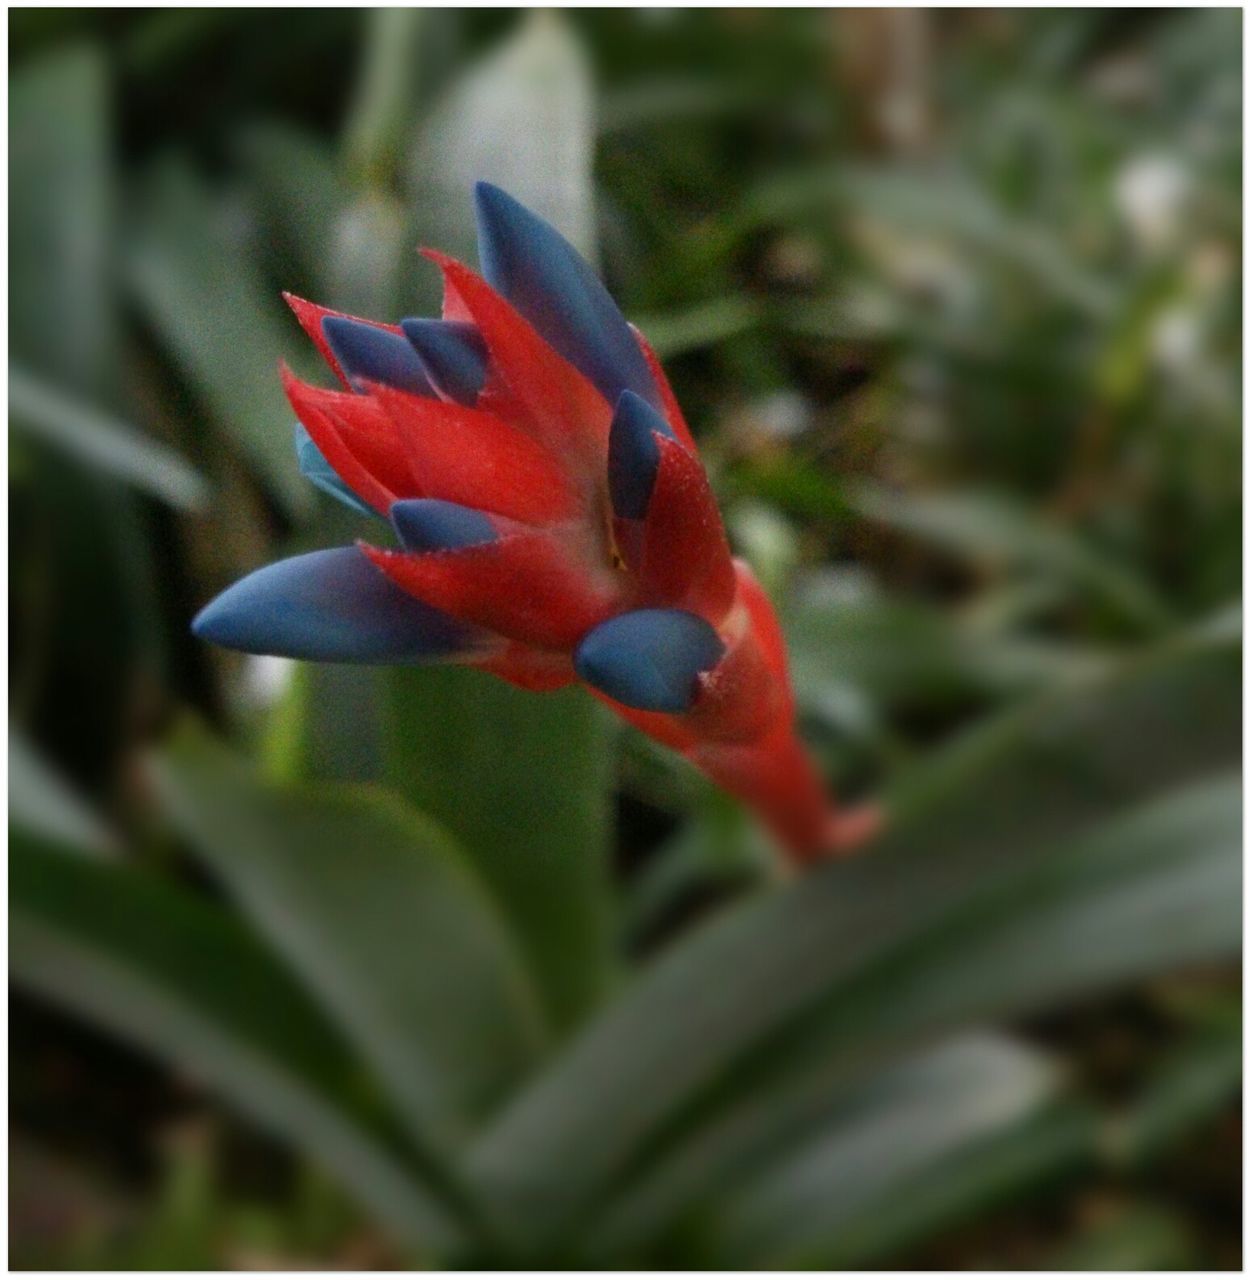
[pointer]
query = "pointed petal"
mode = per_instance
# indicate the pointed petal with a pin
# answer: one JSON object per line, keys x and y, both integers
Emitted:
{"x": 465, "y": 455}
{"x": 454, "y": 308}
{"x": 366, "y": 352}
{"x": 313, "y": 465}
{"x": 740, "y": 699}
{"x": 453, "y": 356}
{"x": 524, "y": 585}
{"x": 428, "y": 524}
{"x": 555, "y": 403}
{"x": 679, "y": 550}
{"x": 767, "y": 632}
{"x": 775, "y": 777}
{"x": 634, "y": 455}
{"x": 310, "y": 315}
{"x": 668, "y": 400}
{"x": 363, "y": 450}
{"x": 331, "y": 606}
{"x": 650, "y": 659}
{"x": 532, "y": 265}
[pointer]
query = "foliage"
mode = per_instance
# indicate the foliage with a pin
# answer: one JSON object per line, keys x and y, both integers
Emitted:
{"x": 958, "y": 331}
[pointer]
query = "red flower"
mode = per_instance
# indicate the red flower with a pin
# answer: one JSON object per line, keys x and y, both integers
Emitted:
{"x": 553, "y": 520}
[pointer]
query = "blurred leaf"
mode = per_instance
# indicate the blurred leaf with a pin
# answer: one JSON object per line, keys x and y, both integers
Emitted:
{"x": 1142, "y": 892}
{"x": 1150, "y": 890}
{"x": 521, "y": 780}
{"x": 764, "y": 1128}
{"x": 1183, "y": 1091}
{"x": 909, "y": 1117}
{"x": 298, "y": 188}
{"x": 61, "y": 300}
{"x": 702, "y": 326}
{"x": 717, "y": 848}
{"x": 1141, "y": 901}
{"x": 186, "y": 982}
{"x": 102, "y": 442}
{"x": 42, "y": 802}
{"x": 1141, "y": 1239}
{"x": 369, "y": 255}
{"x": 192, "y": 278}
{"x": 993, "y": 528}
{"x": 375, "y": 908}
{"x": 848, "y": 639}
{"x": 385, "y": 94}
{"x": 925, "y": 204}
{"x": 1055, "y": 1141}
{"x": 646, "y": 103}
{"x": 521, "y": 118}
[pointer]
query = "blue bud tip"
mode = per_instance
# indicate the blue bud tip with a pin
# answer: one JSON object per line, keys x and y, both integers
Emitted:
{"x": 429, "y": 524}
{"x": 649, "y": 659}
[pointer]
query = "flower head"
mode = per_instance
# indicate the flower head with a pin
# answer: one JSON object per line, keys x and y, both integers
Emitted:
{"x": 551, "y": 520}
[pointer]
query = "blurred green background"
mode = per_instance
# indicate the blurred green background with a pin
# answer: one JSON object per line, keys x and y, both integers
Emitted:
{"x": 342, "y": 967}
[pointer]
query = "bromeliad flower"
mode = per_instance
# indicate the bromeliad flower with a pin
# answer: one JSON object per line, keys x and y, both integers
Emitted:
{"x": 553, "y": 521}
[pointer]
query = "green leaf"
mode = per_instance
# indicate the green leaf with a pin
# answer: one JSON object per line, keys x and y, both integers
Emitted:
{"x": 185, "y": 981}
{"x": 908, "y": 1118}
{"x": 989, "y": 833}
{"x": 192, "y": 278}
{"x": 42, "y": 802}
{"x": 1186, "y": 1089}
{"x": 522, "y": 117}
{"x": 1143, "y": 892}
{"x": 849, "y": 643}
{"x": 1141, "y": 1239}
{"x": 764, "y": 1128}
{"x": 521, "y": 779}
{"x": 703, "y": 326}
{"x": 379, "y": 914}
{"x": 103, "y": 443}
{"x": 1147, "y": 891}
{"x": 385, "y": 95}
{"x": 985, "y": 527}
{"x": 1056, "y": 1141}
{"x": 299, "y": 192}
{"x": 61, "y": 297}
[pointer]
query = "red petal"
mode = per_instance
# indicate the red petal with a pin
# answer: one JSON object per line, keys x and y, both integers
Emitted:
{"x": 740, "y": 699}
{"x": 672, "y": 410}
{"x": 767, "y": 630}
{"x": 683, "y": 561}
{"x": 561, "y": 408}
{"x": 526, "y": 586}
{"x": 539, "y": 670}
{"x": 453, "y": 304}
{"x": 361, "y": 429}
{"x": 464, "y": 455}
{"x": 310, "y": 316}
{"x": 776, "y": 778}
{"x": 328, "y": 433}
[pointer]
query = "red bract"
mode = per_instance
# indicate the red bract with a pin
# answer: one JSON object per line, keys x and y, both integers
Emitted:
{"x": 553, "y": 521}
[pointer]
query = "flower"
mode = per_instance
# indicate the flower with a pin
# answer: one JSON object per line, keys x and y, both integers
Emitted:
{"x": 553, "y": 521}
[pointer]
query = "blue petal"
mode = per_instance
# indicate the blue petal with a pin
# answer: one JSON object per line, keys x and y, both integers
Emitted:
{"x": 429, "y": 524}
{"x": 313, "y": 466}
{"x": 452, "y": 354}
{"x": 545, "y": 278}
{"x": 330, "y": 606}
{"x": 649, "y": 659}
{"x": 366, "y": 352}
{"x": 633, "y": 455}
